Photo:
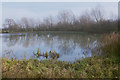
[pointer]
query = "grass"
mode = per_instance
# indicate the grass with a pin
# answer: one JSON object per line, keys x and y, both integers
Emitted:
{"x": 93, "y": 67}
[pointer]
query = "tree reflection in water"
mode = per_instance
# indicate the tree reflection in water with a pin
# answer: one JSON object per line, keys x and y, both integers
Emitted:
{"x": 67, "y": 44}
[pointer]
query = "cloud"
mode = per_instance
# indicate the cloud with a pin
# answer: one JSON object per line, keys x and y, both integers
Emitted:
{"x": 40, "y": 12}
{"x": 16, "y": 13}
{"x": 107, "y": 10}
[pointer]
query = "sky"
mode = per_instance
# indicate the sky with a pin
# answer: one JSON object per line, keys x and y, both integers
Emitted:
{"x": 40, "y": 10}
{"x": 60, "y": 0}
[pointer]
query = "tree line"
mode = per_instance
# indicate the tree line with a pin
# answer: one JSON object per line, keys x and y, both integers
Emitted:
{"x": 92, "y": 21}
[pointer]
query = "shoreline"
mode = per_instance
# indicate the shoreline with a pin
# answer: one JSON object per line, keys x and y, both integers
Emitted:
{"x": 62, "y": 31}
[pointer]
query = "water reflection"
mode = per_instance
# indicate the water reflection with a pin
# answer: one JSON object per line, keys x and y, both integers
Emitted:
{"x": 70, "y": 46}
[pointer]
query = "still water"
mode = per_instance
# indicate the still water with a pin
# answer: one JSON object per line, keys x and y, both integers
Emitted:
{"x": 70, "y": 45}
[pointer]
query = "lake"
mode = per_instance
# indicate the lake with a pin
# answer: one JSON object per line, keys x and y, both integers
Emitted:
{"x": 70, "y": 45}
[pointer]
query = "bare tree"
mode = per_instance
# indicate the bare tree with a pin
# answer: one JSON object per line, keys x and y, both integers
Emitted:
{"x": 11, "y": 24}
{"x": 92, "y": 21}
{"x": 25, "y": 22}
{"x": 85, "y": 19}
{"x": 65, "y": 16}
{"x": 51, "y": 21}
{"x": 97, "y": 14}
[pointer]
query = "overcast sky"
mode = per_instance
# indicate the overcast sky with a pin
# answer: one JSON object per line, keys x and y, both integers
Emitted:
{"x": 40, "y": 10}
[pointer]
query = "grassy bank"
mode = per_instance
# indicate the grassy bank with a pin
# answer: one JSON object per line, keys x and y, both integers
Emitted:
{"x": 94, "y": 67}
{"x": 102, "y": 66}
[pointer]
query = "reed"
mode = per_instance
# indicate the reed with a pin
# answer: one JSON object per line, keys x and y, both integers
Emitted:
{"x": 111, "y": 44}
